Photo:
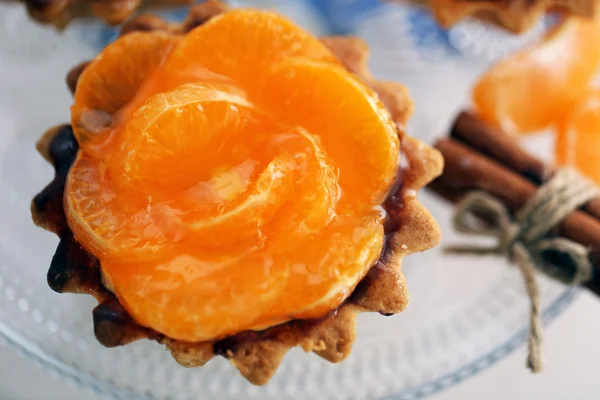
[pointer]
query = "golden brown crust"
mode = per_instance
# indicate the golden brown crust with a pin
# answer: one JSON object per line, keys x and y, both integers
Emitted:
{"x": 257, "y": 355}
{"x": 53, "y": 12}
{"x": 189, "y": 355}
{"x": 258, "y": 361}
{"x": 43, "y": 143}
{"x": 74, "y": 74}
{"x": 515, "y": 15}
{"x": 114, "y": 12}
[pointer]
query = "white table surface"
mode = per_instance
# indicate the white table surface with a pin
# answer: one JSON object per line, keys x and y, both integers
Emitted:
{"x": 571, "y": 354}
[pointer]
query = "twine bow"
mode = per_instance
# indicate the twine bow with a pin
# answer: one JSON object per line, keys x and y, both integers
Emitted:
{"x": 526, "y": 239}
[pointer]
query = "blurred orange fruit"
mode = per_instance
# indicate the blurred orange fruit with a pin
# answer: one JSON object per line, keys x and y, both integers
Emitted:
{"x": 578, "y": 137}
{"x": 529, "y": 90}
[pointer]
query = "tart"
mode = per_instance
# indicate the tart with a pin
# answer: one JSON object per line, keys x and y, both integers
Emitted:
{"x": 515, "y": 15}
{"x": 237, "y": 189}
{"x": 114, "y": 12}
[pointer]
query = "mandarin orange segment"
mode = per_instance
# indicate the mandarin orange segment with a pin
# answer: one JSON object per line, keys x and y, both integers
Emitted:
{"x": 264, "y": 292}
{"x": 529, "y": 90}
{"x": 111, "y": 226}
{"x": 242, "y": 183}
{"x": 250, "y": 209}
{"x": 313, "y": 205}
{"x": 231, "y": 297}
{"x": 578, "y": 138}
{"x": 169, "y": 131}
{"x": 346, "y": 116}
{"x": 240, "y": 44}
{"x": 338, "y": 258}
{"x": 113, "y": 79}
{"x": 245, "y": 217}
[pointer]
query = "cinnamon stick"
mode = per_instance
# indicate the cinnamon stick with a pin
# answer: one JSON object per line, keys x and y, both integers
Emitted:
{"x": 476, "y": 159}
{"x": 493, "y": 142}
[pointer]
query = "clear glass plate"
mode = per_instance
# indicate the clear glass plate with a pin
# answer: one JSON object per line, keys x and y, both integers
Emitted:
{"x": 464, "y": 315}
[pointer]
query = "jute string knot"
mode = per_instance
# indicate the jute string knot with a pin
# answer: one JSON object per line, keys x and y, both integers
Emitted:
{"x": 527, "y": 240}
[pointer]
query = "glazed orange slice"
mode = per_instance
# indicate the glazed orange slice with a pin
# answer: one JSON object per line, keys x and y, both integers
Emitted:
{"x": 352, "y": 116}
{"x": 239, "y": 291}
{"x": 109, "y": 224}
{"x": 529, "y": 90}
{"x": 578, "y": 137}
{"x": 240, "y": 181}
{"x": 169, "y": 131}
{"x": 240, "y": 45}
{"x": 112, "y": 81}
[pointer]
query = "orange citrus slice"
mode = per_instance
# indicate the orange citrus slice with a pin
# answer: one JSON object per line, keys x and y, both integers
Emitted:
{"x": 348, "y": 118}
{"x": 113, "y": 80}
{"x": 240, "y": 44}
{"x": 170, "y": 130}
{"x": 110, "y": 225}
{"x": 308, "y": 282}
{"x": 165, "y": 295}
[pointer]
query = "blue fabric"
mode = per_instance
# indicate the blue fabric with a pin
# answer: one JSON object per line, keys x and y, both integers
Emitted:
{"x": 343, "y": 15}
{"x": 425, "y": 29}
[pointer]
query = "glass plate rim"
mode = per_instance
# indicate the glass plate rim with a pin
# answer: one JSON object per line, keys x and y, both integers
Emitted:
{"x": 85, "y": 381}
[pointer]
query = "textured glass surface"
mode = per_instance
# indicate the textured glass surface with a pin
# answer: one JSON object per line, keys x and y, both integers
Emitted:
{"x": 465, "y": 313}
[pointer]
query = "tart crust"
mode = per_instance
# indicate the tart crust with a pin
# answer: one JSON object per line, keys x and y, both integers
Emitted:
{"x": 256, "y": 354}
{"x": 114, "y": 12}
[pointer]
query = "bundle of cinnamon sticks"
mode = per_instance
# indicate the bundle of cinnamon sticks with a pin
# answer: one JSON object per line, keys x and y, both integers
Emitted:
{"x": 479, "y": 156}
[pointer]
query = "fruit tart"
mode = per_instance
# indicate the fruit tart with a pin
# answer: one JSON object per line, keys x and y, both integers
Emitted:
{"x": 515, "y": 15}
{"x": 236, "y": 189}
{"x": 60, "y": 12}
